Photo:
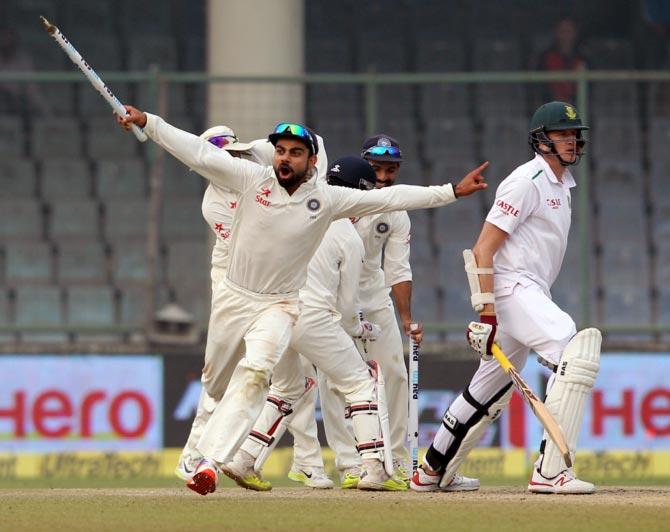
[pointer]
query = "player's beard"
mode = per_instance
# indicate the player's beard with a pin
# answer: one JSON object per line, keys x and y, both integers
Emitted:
{"x": 292, "y": 178}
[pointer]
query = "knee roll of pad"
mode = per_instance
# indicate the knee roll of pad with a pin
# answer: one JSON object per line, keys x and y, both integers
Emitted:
{"x": 575, "y": 376}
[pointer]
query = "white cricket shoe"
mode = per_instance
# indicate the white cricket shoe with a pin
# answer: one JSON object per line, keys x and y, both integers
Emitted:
{"x": 186, "y": 467}
{"x": 312, "y": 477}
{"x": 242, "y": 471}
{"x": 375, "y": 478}
{"x": 424, "y": 481}
{"x": 565, "y": 483}
{"x": 462, "y": 483}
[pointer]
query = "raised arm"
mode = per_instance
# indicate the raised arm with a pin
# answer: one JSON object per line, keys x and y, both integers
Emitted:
{"x": 350, "y": 202}
{"x": 206, "y": 159}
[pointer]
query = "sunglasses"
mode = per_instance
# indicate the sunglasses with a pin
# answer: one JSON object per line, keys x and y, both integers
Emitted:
{"x": 378, "y": 151}
{"x": 222, "y": 140}
{"x": 296, "y": 130}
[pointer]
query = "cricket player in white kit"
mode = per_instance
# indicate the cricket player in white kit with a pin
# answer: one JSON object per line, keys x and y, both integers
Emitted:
{"x": 387, "y": 240}
{"x": 516, "y": 260}
{"x": 282, "y": 214}
{"x": 323, "y": 334}
{"x": 218, "y": 209}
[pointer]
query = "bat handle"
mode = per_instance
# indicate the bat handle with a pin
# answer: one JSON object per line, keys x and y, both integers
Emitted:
{"x": 141, "y": 135}
{"x": 501, "y": 358}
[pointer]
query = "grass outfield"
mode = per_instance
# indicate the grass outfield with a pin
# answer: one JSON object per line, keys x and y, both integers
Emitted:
{"x": 164, "y": 505}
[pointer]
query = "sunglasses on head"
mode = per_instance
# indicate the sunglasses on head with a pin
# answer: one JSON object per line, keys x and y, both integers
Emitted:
{"x": 222, "y": 140}
{"x": 378, "y": 151}
{"x": 297, "y": 130}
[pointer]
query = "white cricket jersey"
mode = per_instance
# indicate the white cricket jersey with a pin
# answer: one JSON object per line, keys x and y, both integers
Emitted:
{"x": 334, "y": 273}
{"x": 274, "y": 234}
{"x": 386, "y": 239}
{"x": 534, "y": 208}
{"x": 219, "y": 203}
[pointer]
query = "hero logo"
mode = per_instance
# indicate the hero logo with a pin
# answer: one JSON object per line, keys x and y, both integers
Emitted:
{"x": 554, "y": 203}
{"x": 55, "y": 415}
{"x": 262, "y": 200}
{"x": 507, "y": 208}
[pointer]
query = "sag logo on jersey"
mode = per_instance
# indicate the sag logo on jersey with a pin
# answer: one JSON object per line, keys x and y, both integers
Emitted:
{"x": 554, "y": 203}
{"x": 313, "y": 204}
{"x": 382, "y": 227}
{"x": 570, "y": 112}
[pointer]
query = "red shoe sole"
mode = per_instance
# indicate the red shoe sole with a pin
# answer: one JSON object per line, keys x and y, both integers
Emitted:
{"x": 203, "y": 482}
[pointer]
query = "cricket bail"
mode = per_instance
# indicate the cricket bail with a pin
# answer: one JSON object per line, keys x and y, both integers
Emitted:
{"x": 47, "y": 25}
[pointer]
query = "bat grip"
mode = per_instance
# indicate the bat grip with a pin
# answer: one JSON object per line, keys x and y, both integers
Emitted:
{"x": 141, "y": 135}
{"x": 501, "y": 358}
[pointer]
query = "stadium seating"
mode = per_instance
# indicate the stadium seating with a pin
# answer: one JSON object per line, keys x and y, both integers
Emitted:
{"x": 17, "y": 178}
{"x": 28, "y": 263}
{"x": 40, "y": 306}
{"x": 11, "y": 136}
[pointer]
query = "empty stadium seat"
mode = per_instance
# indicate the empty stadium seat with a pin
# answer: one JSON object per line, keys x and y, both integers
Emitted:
{"x": 450, "y": 140}
{"x": 28, "y": 262}
{"x": 81, "y": 261}
{"x": 333, "y": 101}
{"x": 130, "y": 262}
{"x": 440, "y": 101}
{"x": 496, "y": 54}
{"x": 329, "y": 55}
{"x": 133, "y": 305}
{"x": 613, "y": 143}
{"x": 65, "y": 178}
{"x": 146, "y": 50}
{"x": 439, "y": 54}
{"x": 501, "y": 100}
{"x": 40, "y": 306}
{"x": 106, "y": 140}
{"x": 20, "y": 218}
{"x": 75, "y": 218}
{"x": 91, "y": 306}
{"x": 615, "y": 100}
{"x": 179, "y": 182}
{"x": 56, "y": 137}
{"x": 11, "y": 136}
{"x": 124, "y": 178}
{"x": 609, "y": 53}
{"x": 17, "y": 178}
{"x": 126, "y": 218}
{"x": 189, "y": 263}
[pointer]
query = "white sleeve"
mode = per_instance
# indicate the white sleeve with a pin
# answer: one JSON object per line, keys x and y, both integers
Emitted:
{"x": 396, "y": 252}
{"x": 348, "y": 305}
{"x": 262, "y": 152}
{"x": 348, "y": 202}
{"x": 211, "y": 162}
{"x": 516, "y": 199}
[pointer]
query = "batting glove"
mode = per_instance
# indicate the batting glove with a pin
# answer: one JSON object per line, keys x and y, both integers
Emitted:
{"x": 369, "y": 331}
{"x": 481, "y": 335}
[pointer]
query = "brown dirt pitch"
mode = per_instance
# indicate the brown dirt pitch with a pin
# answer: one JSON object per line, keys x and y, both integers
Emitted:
{"x": 492, "y": 508}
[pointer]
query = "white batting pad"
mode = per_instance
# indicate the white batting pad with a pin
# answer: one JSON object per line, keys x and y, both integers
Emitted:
{"x": 575, "y": 377}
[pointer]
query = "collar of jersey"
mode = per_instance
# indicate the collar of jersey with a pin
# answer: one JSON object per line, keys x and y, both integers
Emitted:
{"x": 568, "y": 180}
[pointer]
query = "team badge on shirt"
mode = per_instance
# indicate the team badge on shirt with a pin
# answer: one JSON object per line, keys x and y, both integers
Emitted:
{"x": 382, "y": 227}
{"x": 313, "y": 204}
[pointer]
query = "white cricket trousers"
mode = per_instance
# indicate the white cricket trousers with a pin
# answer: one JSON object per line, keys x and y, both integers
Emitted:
{"x": 248, "y": 333}
{"x": 320, "y": 338}
{"x": 527, "y": 319}
{"x": 388, "y": 351}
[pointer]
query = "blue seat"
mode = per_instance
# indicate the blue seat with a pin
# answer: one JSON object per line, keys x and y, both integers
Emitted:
{"x": 130, "y": 264}
{"x": 28, "y": 262}
{"x": 92, "y": 306}
{"x": 40, "y": 306}
{"x": 11, "y": 136}
{"x": 17, "y": 178}
{"x": 126, "y": 218}
{"x": 82, "y": 261}
{"x": 20, "y": 219}
{"x": 76, "y": 218}
{"x": 182, "y": 218}
{"x": 65, "y": 178}
{"x": 56, "y": 137}
{"x": 121, "y": 179}
{"x": 106, "y": 140}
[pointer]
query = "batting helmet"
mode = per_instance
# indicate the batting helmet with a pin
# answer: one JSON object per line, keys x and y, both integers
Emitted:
{"x": 555, "y": 116}
{"x": 352, "y": 172}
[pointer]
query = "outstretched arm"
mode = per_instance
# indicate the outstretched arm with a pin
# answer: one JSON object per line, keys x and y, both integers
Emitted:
{"x": 209, "y": 161}
{"x": 349, "y": 202}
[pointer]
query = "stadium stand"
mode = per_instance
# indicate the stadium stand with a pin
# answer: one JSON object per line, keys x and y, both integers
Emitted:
{"x": 74, "y": 190}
